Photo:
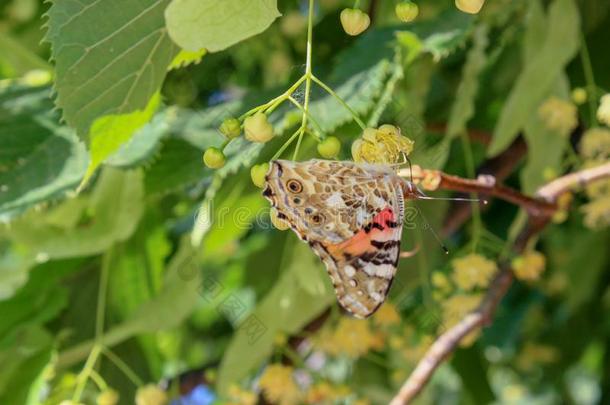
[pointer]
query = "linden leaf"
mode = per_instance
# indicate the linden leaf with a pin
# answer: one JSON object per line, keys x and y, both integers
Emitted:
{"x": 540, "y": 73}
{"x": 216, "y": 25}
{"x": 110, "y": 57}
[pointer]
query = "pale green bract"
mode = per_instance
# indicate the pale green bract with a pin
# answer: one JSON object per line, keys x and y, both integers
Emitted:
{"x": 108, "y": 133}
{"x": 216, "y": 25}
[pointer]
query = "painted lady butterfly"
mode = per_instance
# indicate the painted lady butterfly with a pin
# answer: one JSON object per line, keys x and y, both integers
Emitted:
{"x": 351, "y": 215}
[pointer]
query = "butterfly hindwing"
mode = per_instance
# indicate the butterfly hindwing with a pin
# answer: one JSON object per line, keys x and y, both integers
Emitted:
{"x": 363, "y": 267}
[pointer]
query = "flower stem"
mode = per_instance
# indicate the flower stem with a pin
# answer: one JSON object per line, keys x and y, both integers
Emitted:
{"x": 287, "y": 143}
{"x": 477, "y": 222}
{"x": 313, "y": 121}
{"x": 308, "y": 77}
{"x": 340, "y": 100}
{"x": 121, "y": 365}
{"x": 83, "y": 376}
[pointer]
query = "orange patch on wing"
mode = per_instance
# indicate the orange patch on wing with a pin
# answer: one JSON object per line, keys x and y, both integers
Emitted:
{"x": 377, "y": 229}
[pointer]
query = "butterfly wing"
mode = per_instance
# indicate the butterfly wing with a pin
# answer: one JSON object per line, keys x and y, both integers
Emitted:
{"x": 359, "y": 237}
{"x": 363, "y": 267}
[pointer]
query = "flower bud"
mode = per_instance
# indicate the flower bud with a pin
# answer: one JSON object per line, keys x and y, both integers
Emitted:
{"x": 214, "y": 158}
{"x": 258, "y": 173}
{"x": 329, "y": 148}
{"x": 406, "y": 11}
{"x": 579, "y": 96}
{"x": 258, "y": 128}
{"x": 107, "y": 397}
{"x": 469, "y": 6}
{"x": 230, "y": 128}
{"x": 354, "y": 21}
{"x": 151, "y": 395}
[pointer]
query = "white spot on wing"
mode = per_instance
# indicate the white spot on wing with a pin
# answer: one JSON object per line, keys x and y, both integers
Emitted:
{"x": 350, "y": 271}
{"x": 335, "y": 201}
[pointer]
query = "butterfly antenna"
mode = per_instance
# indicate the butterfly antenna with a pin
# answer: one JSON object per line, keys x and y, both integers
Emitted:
{"x": 429, "y": 227}
{"x": 425, "y": 197}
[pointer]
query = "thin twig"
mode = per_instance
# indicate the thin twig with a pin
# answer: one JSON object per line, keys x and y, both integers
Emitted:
{"x": 446, "y": 343}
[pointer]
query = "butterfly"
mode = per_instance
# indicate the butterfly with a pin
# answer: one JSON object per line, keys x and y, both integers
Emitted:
{"x": 351, "y": 214}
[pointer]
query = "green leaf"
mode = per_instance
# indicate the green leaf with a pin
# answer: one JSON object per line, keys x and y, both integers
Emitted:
{"x": 214, "y": 25}
{"x": 15, "y": 262}
{"x": 39, "y": 160}
{"x": 286, "y": 309}
{"x": 545, "y": 147}
{"x": 463, "y": 106}
{"x": 109, "y": 132}
{"x": 116, "y": 204}
{"x": 40, "y": 300}
{"x": 23, "y": 355}
{"x": 110, "y": 57}
{"x": 541, "y": 70}
{"x": 174, "y": 302}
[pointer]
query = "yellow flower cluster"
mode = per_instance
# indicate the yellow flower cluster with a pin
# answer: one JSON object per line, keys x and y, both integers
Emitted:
{"x": 473, "y": 271}
{"x": 533, "y": 354}
{"x": 603, "y": 111}
{"x": 559, "y": 115}
{"x": 595, "y": 143}
{"x": 351, "y": 337}
{"x": 384, "y": 145}
{"x": 563, "y": 204}
{"x": 455, "y": 308}
{"x": 387, "y": 315}
{"x": 529, "y": 266}
{"x": 238, "y": 396}
{"x": 323, "y": 392}
{"x": 278, "y": 385}
{"x": 597, "y": 212}
{"x": 595, "y": 147}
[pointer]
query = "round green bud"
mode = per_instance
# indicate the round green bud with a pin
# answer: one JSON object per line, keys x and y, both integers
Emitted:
{"x": 258, "y": 173}
{"x": 329, "y": 148}
{"x": 258, "y": 128}
{"x": 469, "y": 6}
{"x": 107, "y": 397}
{"x": 579, "y": 96}
{"x": 214, "y": 158}
{"x": 406, "y": 11}
{"x": 231, "y": 128}
{"x": 151, "y": 395}
{"x": 354, "y": 21}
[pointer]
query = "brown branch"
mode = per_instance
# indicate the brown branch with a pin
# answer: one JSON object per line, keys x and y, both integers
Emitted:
{"x": 446, "y": 343}
{"x": 500, "y": 167}
{"x": 484, "y": 184}
{"x": 555, "y": 188}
